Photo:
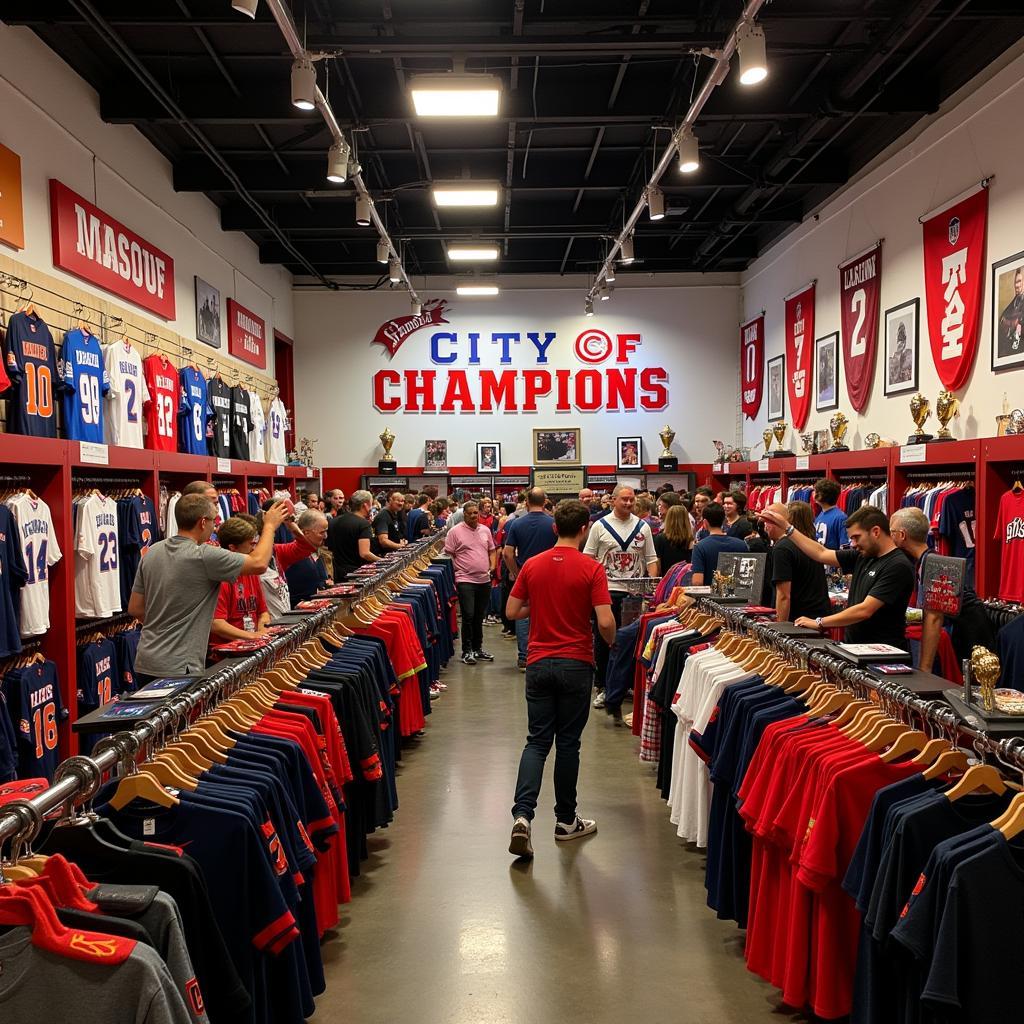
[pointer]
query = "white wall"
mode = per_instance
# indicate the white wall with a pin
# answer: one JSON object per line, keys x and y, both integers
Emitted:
{"x": 972, "y": 138}
{"x": 682, "y": 328}
{"x": 50, "y": 117}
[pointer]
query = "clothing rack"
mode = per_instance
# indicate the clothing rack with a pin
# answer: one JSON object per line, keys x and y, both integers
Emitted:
{"x": 91, "y": 625}
{"x": 409, "y": 554}
{"x": 105, "y": 481}
{"x": 862, "y": 476}
{"x": 924, "y": 475}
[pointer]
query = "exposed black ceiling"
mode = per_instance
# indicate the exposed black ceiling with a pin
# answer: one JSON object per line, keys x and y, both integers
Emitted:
{"x": 588, "y": 99}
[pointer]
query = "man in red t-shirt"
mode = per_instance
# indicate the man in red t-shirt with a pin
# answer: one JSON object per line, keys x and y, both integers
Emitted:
{"x": 241, "y": 611}
{"x": 557, "y": 590}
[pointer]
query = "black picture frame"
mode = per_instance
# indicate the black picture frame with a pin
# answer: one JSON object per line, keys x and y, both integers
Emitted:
{"x": 625, "y": 447}
{"x": 776, "y": 372}
{"x": 826, "y": 350}
{"x": 209, "y": 313}
{"x": 1011, "y": 357}
{"x": 488, "y": 457}
{"x": 897, "y": 379}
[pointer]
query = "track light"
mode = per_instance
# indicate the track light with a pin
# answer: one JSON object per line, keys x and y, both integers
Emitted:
{"x": 689, "y": 151}
{"x": 363, "y": 209}
{"x": 383, "y": 251}
{"x": 394, "y": 271}
{"x": 655, "y": 203}
{"x": 626, "y": 251}
{"x": 303, "y": 84}
{"x": 337, "y": 162}
{"x": 750, "y": 45}
{"x": 603, "y": 293}
{"x": 609, "y": 274}
{"x": 456, "y": 95}
{"x": 417, "y": 307}
{"x": 245, "y": 7}
{"x": 588, "y": 306}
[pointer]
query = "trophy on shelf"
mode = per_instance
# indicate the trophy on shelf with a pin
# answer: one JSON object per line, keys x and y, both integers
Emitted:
{"x": 779, "y": 430}
{"x": 1003, "y": 419}
{"x": 723, "y": 584}
{"x": 947, "y": 405}
{"x": 821, "y": 441}
{"x": 387, "y": 466}
{"x": 985, "y": 669}
{"x": 920, "y": 410}
{"x": 667, "y": 462}
{"x": 766, "y": 436}
{"x": 873, "y": 440}
{"x": 1016, "y": 425}
{"x": 838, "y": 425}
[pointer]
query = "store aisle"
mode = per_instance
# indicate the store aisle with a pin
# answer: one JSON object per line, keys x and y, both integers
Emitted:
{"x": 445, "y": 928}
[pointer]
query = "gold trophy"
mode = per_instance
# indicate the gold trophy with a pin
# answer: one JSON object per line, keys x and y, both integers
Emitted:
{"x": 838, "y": 425}
{"x": 985, "y": 670}
{"x": 947, "y": 405}
{"x": 920, "y": 410}
{"x": 779, "y": 430}
{"x": 873, "y": 440}
{"x": 1003, "y": 419}
{"x": 766, "y": 435}
{"x": 667, "y": 462}
{"x": 387, "y": 466}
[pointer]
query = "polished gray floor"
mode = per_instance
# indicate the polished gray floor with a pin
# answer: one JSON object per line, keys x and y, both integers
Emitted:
{"x": 444, "y": 928}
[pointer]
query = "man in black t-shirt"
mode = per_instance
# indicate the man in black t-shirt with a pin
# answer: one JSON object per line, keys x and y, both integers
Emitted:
{"x": 389, "y": 525}
{"x": 350, "y": 536}
{"x": 800, "y": 586}
{"x": 883, "y": 578}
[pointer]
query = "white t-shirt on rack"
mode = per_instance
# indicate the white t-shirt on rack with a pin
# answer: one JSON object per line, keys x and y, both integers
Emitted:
{"x": 127, "y": 395}
{"x": 277, "y": 426}
{"x": 41, "y": 550}
{"x": 257, "y": 447}
{"x": 97, "y": 559}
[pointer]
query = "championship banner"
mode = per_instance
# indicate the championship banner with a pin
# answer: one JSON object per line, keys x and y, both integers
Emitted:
{"x": 954, "y": 284}
{"x": 860, "y": 290}
{"x": 800, "y": 352}
{"x": 752, "y": 365}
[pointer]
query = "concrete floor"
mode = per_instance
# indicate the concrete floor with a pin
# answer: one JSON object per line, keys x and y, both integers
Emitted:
{"x": 445, "y": 928}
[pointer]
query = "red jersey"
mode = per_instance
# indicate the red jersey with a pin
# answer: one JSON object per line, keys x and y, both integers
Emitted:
{"x": 1010, "y": 533}
{"x": 241, "y": 603}
{"x": 165, "y": 400}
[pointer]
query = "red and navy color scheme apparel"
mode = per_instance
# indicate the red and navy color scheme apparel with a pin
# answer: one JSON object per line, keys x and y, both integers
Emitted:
{"x": 194, "y": 413}
{"x": 31, "y": 364}
{"x": 32, "y": 697}
{"x": 84, "y": 383}
{"x": 13, "y": 576}
{"x": 166, "y": 401}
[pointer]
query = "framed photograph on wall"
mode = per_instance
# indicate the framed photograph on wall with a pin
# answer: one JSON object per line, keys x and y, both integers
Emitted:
{"x": 1008, "y": 312}
{"x": 207, "y": 313}
{"x": 557, "y": 447}
{"x": 776, "y": 388}
{"x": 488, "y": 457}
{"x": 435, "y": 459}
{"x": 902, "y": 328}
{"x": 629, "y": 453}
{"x": 826, "y": 385}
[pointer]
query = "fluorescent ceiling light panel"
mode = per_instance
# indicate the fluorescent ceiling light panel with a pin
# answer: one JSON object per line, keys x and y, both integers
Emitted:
{"x": 456, "y": 95}
{"x": 476, "y": 289}
{"x": 467, "y": 193}
{"x": 467, "y": 253}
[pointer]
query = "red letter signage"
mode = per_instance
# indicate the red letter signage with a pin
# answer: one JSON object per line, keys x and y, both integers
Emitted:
{"x": 860, "y": 286}
{"x": 800, "y": 352}
{"x": 247, "y": 335}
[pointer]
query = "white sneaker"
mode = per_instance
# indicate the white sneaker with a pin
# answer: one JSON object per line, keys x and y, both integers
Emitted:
{"x": 599, "y": 700}
{"x": 520, "y": 845}
{"x": 579, "y": 828}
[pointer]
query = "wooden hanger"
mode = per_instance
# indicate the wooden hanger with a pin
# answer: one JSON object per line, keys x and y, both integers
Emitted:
{"x": 883, "y": 736}
{"x": 931, "y": 750}
{"x": 950, "y": 760}
{"x": 910, "y": 742}
{"x": 978, "y": 776}
{"x": 165, "y": 771}
{"x": 141, "y": 786}
{"x": 1011, "y": 821}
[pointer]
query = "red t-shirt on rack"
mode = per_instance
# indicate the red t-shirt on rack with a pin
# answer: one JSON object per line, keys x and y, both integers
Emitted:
{"x": 1010, "y": 533}
{"x": 165, "y": 399}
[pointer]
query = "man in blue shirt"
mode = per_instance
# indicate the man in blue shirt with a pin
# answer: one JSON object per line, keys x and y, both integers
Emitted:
{"x": 830, "y": 523}
{"x": 418, "y": 521}
{"x": 525, "y": 537}
{"x": 705, "y": 554}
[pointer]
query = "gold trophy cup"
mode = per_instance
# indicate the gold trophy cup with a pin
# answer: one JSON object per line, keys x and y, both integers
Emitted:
{"x": 920, "y": 410}
{"x": 387, "y": 465}
{"x": 838, "y": 425}
{"x": 873, "y": 440}
{"x": 985, "y": 670}
{"x": 766, "y": 435}
{"x": 779, "y": 430}
{"x": 1003, "y": 419}
{"x": 667, "y": 462}
{"x": 947, "y": 405}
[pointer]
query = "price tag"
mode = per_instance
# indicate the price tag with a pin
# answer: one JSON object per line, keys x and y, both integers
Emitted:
{"x": 716, "y": 467}
{"x": 762, "y": 465}
{"x": 280, "y": 470}
{"x": 803, "y": 462}
{"x": 913, "y": 452}
{"x": 97, "y": 454}
{"x": 309, "y": 473}
{"x": 223, "y": 465}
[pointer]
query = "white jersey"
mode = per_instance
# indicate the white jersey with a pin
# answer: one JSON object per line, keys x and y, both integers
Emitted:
{"x": 97, "y": 558}
{"x": 172, "y": 524}
{"x": 128, "y": 394}
{"x": 277, "y": 425}
{"x": 41, "y": 550}
{"x": 625, "y": 549}
{"x": 257, "y": 435}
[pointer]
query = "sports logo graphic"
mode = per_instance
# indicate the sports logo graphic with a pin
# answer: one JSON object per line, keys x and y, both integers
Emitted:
{"x": 96, "y": 946}
{"x": 954, "y": 230}
{"x": 393, "y": 333}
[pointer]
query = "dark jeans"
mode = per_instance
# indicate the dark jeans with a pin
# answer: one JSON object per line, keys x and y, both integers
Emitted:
{"x": 506, "y": 588}
{"x": 558, "y": 702}
{"x": 601, "y": 649}
{"x": 473, "y": 601}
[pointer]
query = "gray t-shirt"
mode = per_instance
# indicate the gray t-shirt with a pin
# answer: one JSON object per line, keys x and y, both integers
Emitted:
{"x": 180, "y": 581}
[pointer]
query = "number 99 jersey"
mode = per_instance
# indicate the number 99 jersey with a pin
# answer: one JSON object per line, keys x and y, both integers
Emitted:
{"x": 32, "y": 367}
{"x": 85, "y": 382}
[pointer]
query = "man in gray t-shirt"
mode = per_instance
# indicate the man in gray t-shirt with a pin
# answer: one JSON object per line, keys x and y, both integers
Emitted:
{"x": 175, "y": 591}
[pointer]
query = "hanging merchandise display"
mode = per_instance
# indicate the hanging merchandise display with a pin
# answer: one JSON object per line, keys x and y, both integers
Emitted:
{"x": 860, "y": 289}
{"x": 31, "y": 365}
{"x": 241, "y": 423}
{"x": 752, "y": 365}
{"x": 165, "y": 401}
{"x": 219, "y": 438}
{"x": 954, "y": 284}
{"x": 85, "y": 384}
{"x": 41, "y": 552}
{"x": 128, "y": 395}
{"x": 277, "y": 427}
{"x": 800, "y": 352}
{"x": 195, "y": 412}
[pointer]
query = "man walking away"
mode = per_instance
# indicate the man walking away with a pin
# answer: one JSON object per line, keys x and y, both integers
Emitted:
{"x": 557, "y": 590}
{"x": 473, "y": 556}
{"x": 705, "y": 554}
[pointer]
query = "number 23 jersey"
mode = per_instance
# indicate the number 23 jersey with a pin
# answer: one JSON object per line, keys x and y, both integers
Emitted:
{"x": 97, "y": 558}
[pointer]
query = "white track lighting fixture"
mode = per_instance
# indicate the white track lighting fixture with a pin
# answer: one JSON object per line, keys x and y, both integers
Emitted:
{"x": 455, "y": 95}
{"x": 750, "y": 45}
{"x": 303, "y": 84}
{"x": 689, "y": 151}
{"x": 655, "y": 203}
{"x": 603, "y": 293}
{"x": 245, "y": 7}
{"x": 588, "y": 306}
{"x": 610, "y": 275}
{"x": 362, "y": 209}
{"x": 337, "y": 162}
{"x": 383, "y": 252}
{"x": 626, "y": 255}
{"x": 465, "y": 193}
{"x": 394, "y": 271}
{"x": 472, "y": 253}
{"x": 476, "y": 289}
{"x": 417, "y": 307}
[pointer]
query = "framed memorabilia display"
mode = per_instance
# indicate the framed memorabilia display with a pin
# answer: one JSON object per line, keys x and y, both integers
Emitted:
{"x": 739, "y": 578}
{"x": 207, "y": 313}
{"x": 1008, "y": 312}
{"x": 435, "y": 459}
{"x": 628, "y": 453}
{"x": 488, "y": 457}
{"x": 560, "y": 483}
{"x": 902, "y": 327}
{"x": 557, "y": 447}
{"x": 776, "y": 388}
{"x": 826, "y": 384}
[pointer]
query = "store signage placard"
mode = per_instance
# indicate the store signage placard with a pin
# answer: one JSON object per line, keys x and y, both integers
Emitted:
{"x": 12, "y": 213}
{"x": 511, "y": 481}
{"x": 223, "y": 465}
{"x": 752, "y": 365}
{"x": 803, "y": 462}
{"x": 560, "y": 481}
{"x": 800, "y": 352}
{"x": 93, "y": 453}
{"x": 389, "y": 483}
{"x": 860, "y": 290}
{"x": 90, "y": 244}
{"x": 913, "y": 453}
{"x": 247, "y": 335}
{"x": 954, "y": 284}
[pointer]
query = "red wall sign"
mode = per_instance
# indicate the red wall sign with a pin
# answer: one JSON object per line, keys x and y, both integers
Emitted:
{"x": 860, "y": 289}
{"x": 799, "y": 353}
{"x": 93, "y": 246}
{"x": 752, "y": 365}
{"x": 247, "y": 335}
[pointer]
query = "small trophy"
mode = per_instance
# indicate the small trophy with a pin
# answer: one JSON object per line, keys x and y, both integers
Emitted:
{"x": 947, "y": 405}
{"x": 1016, "y": 422}
{"x": 766, "y": 435}
{"x": 838, "y": 425}
{"x": 873, "y": 440}
{"x": 920, "y": 410}
{"x": 387, "y": 466}
{"x": 985, "y": 669}
{"x": 1003, "y": 419}
{"x": 667, "y": 462}
{"x": 723, "y": 584}
{"x": 779, "y": 430}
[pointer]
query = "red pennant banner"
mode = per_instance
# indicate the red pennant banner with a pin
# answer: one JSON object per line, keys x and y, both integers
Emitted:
{"x": 800, "y": 353}
{"x": 752, "y": 365}
{"x": 954, "y": 284}
{"x": 860, "y": 290}
{"x": 393, "y": 333}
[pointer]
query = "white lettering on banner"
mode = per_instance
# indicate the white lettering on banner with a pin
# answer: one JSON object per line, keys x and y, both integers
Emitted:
{"x": 954, "y": 274}
{"x": 119, "y": 254}
{"x": 858, "y": 305}
{"x": 750, "y": 354}
{"x": 799, "y": 375}
{"x": 860, "y": 273}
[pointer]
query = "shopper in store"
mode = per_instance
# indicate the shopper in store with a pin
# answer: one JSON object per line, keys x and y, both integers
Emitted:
{"x": 473, "y": 553}
{"x": 203, "y": 487}
{"x": 702, "y": 497}
{"x": 736, "y": 522}
{"x": 972, "y": 627}
{"x": 178, "y": 582}
{"x": 241, "y": 611}
{"x": 274, "y": 581}
{"x": 645, "y": 512}
{"x": 524, "y": 538}
{"x": 705, "y": 554}
{"x": 334, "y": 502}
{"x": 625, "y": 547}
{"x": 418, "y": 522}
{"x": 557, "y": 591}
{"x": 350, "y": 536}
{"x": 675, "y": 542}
{"x": 800, "y": 585}
{"x": 666, "y": 500}
{"x": 830, "y": 522}
{"x": 388, "y": 531}
{"x": 883, "y": 578}
{"x": 308, "y": 575}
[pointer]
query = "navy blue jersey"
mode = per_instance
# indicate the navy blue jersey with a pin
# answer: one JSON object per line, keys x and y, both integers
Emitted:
{"x": 35, "y": 708}
{"x": 126, "y": 645}
{"x": 13, "y": 576}
{"x": 137, "y": 531}
{"x": 195, "y": 412}
{"x": 98, "y": 680}
{"x": 32, "y": 366}
{"x": 84, "y": 381}
{"x": 219, "y": 438}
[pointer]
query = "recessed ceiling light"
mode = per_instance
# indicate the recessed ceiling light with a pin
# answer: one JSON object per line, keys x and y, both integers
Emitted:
{"x": 466, "y": 253}
{"x": 470, "y": 193}
{"x": 456, "y": 95}
{"x": 476, "y": 289}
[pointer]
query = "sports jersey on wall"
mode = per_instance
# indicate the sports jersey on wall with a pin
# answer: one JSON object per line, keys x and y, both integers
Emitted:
{"x": 220, "y": 404}
{"x": 165, "y": 402}
{"x": 195, "y": 412}
{"x": 128, "y": 395}
{"x": 84, "y": 381}
{"x": 241, "y": 423}
{"x": 12, "y": 578}
{"x": 35, "y": 708}
{"x": 277, "y": 426}
{"x": 40, "y": 551}
{"x": 98, "y": 681}
{"x": 258, "y": 430}
{"x": 97, "y": 558}
{"x": 137, "y": 530}
{"x": 32, "y": 367}
{"x": 1010, "y": 534}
